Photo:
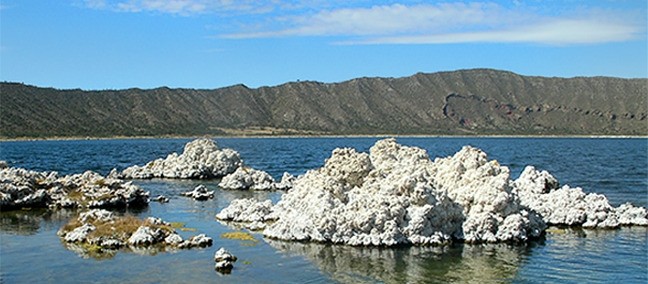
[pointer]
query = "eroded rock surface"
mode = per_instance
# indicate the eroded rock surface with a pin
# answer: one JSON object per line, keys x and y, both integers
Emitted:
{"x": 200, "y": 192}
{"x": 21, "y": 188}
{"x": 105, "y": 230}
{"x": 201, "y": 159}
{"x": 246, "y": 178}
{"x": 224, "y": 260}
{"x": 246, "y": 210}
{"x": 540, "y": 191}
{"x": 396, "y": 195}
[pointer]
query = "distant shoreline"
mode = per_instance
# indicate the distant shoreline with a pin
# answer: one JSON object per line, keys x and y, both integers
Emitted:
{"x": 75, "y": 138}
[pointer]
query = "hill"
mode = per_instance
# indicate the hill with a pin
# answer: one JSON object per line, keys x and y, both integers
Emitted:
{"x": 472, "y": 102}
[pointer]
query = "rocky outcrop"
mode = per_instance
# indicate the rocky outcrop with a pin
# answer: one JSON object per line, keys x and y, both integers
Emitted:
{"x": 224, "y": 260}
{"x": 540, "y": 191}
{"x": 161, "y": 199}
{"x": 199, "y": 193}
{"x": 21, "y": 188}
{"x": 397, "y": 195}
{"x": 247, "y": 210}
{"x": 200, "y": 240}
{"x": 246, "y": 178}
{"x": 104, "y": 230}
{"x": 201, "y": 159}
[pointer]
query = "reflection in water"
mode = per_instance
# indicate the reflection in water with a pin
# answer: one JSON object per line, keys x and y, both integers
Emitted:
{"x": 28, "y": 222}
{"x": 582, "y": 255}
{"x": 456, "y": 263}
{"x": 87, "y": 251}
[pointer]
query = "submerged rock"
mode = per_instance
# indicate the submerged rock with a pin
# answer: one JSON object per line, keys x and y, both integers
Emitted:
{"x": 199, "y": 193}
{"x": 201, "y": 159}
{"x": 540, "y": 191}
{"x": 397, "y": 195}
{"x": 21, "y": 188}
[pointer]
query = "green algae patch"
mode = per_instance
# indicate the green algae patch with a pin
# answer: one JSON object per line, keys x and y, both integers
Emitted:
{"x": 181, "y": 226}
{"x": 242, "y": 236}
{"x": 177, "y": 225}
{"x": 556, "y": 231}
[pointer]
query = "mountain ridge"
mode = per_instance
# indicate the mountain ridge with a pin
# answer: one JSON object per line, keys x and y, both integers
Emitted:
{"x": 463, "y": 102}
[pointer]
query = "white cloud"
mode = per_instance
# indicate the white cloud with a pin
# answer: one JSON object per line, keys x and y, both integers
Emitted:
{"x": 177, "y": 7}
{"x": 556, "y": 32}
{"x": 402, "y": 23}
{"x": 389, "y": 19}
{"x": 454, "y": 23}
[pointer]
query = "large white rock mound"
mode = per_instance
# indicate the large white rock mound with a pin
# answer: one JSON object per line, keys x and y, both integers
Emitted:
{"x": 397, "y": 195}
{"x": 201, "y": 159}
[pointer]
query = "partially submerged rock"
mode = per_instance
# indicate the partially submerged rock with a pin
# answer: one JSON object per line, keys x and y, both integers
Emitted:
{"x": 104, "y": 230}
{"x": 200, "y": 241}
{"x": 201, "y": 159}
{"x": 224, "y": 260}
{"x": 200, "y": 192}
{"x": 397, "y": 195}
{"x": 21, "y": 188}
{"x": 161, "y": 199}
{"x": 286, "y": 182}
{"x": 246, "y": 210}
{"x": 246, "y": 178}
{"x": 540, "y": 191}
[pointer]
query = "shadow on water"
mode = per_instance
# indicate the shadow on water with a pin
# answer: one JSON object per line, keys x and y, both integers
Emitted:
{"x": 488, "y": 263}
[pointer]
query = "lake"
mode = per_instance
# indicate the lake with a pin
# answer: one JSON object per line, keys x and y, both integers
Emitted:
{"x": 30, "y": 250}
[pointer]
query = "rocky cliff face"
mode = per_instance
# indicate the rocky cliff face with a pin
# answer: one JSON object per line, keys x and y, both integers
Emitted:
{"x": 479, "y": 101}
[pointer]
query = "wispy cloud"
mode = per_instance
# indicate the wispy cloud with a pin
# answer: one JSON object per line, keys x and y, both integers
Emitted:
{"x": 384, "y": 20}
{"x": 554, "y": 32}
{"x": 178, "y": 7}
{"x": 349, "y": 22}
{"x": 455, "y": 23}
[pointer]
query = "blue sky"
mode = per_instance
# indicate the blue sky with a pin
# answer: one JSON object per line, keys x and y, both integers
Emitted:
{"x": 116, "y": 44}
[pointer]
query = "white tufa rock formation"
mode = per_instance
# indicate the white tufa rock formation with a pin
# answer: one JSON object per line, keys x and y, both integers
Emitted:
{"x": 246, "y": 210}
{"x": 224, "y": 260}
{"x": 201, "y": 159}
{"x": 200, "y": 192}
{"x": 397, "y": 195}
{"x": 23, "y": 188}
{"x": 540, "y": 191}
{"x": 246, "y": 178}
{"x": 102, "y": 228}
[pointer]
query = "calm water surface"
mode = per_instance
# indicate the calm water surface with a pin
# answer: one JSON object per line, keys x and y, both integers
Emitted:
{"x": 30, "y": 251}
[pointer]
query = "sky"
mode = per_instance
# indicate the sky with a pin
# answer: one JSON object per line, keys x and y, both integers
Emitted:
{"x": 118, "y": 44}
